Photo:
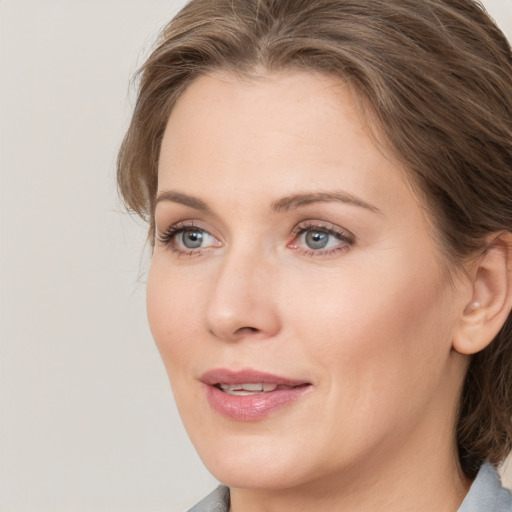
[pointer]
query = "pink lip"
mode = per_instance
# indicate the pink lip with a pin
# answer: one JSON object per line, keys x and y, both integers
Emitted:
{"x": 251, "y": 407}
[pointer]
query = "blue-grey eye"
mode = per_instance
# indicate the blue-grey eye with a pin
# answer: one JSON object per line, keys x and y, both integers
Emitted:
{"x": 317, "y": 239}
{"x": 193, "y": 239}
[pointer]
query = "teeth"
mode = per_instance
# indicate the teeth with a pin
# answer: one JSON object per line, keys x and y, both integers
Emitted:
{"x": 247, "y": 389}
{"x": 252, "y": 387}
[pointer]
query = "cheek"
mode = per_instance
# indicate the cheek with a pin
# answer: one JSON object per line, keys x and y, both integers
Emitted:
{"x": 377, "y": 334}
{"x": 173, "y": 304}
{"x": 346, "y": 304}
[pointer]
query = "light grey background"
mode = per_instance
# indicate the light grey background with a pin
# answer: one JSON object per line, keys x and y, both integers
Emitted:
{"x": 87, "y": 420}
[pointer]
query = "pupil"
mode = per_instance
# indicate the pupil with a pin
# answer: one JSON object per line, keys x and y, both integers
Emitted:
{"x": 192, "y": 239}
{"x": 317, "y": 239}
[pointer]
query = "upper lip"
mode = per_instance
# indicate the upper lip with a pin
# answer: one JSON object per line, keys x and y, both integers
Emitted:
{"x": 247, "y": 376}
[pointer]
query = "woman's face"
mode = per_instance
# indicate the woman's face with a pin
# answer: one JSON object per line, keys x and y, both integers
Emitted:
{"x": 295, "y": 292}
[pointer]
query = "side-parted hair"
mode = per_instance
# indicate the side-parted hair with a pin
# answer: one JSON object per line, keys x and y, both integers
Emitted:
{"x": 434, "y": 79}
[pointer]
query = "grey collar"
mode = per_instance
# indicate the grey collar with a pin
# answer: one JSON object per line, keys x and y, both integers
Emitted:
{"x": 217, "y": 501}
{"x": 486, "y": 493}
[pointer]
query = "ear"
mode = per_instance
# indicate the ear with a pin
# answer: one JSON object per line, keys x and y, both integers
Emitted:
{"x": 491, "y": 302}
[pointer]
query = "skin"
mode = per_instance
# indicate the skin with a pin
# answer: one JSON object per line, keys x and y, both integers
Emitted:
{"x": 368, "y": 321}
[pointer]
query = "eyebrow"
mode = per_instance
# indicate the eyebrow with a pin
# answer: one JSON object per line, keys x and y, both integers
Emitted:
{"x": 283, "y": 204}
{"x": 184, "y": 199}
{"x": 298, "y": 200}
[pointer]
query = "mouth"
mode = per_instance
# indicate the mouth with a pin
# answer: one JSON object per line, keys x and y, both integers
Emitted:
{"x": 250, "y": 389}
{"x": 250, "y": 395}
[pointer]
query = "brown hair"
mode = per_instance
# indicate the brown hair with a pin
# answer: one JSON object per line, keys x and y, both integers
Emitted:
{"x": 435, "y": 75}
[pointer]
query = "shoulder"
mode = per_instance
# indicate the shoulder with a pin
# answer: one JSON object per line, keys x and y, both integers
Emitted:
{"x": 486, "y": 493}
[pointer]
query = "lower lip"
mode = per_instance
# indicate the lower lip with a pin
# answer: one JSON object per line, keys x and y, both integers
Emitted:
{"x": 252, "y": 407}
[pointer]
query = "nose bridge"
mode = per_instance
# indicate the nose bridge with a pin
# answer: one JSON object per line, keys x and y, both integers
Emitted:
{"x": 241, "y": 300}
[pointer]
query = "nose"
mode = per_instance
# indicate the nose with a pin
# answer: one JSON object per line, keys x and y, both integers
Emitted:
{"x": 242, "y": 300}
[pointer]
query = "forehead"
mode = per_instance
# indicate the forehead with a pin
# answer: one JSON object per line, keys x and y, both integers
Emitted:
{"x": 296, "y": 120}
{"x": 280, "y": 134}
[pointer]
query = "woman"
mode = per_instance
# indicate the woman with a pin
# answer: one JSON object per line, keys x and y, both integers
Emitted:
{"x": 328, "y": 187}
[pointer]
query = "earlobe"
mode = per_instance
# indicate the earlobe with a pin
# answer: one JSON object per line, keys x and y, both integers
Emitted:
{"x": 491, "y": 302}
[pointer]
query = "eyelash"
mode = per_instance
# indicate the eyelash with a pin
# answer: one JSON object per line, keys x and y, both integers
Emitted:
{"x": 168, "y": 239}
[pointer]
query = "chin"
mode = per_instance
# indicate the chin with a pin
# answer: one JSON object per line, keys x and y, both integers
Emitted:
{"x": 236, "y": 472}
{"x": 257, "y": 461}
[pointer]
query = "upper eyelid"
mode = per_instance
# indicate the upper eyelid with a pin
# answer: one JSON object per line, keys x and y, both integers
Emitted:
{"x": 212, "y": 225}
{"x": 322, "y": 225}
{"x": 184, "y": 224}
{"x": 170, "y": 213}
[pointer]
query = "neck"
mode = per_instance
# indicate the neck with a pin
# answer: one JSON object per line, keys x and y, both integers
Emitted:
{"x": 398, "y": 486}
{"x": 419, "y": 472}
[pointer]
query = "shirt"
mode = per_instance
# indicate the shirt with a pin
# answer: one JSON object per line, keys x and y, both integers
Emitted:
{"x": 485, "y": 495}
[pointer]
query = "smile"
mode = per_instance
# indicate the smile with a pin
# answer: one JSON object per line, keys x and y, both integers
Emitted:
{"x": 250, "y": 388}
{"x": 249, "y": 395}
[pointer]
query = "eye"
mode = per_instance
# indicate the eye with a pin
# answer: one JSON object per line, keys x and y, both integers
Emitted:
{"x": 320, "y": 239}
{"x": 187, "y": 239}
{"x": 193, "y": 239}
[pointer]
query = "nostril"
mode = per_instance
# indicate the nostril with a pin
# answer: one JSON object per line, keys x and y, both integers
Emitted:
{"x": 247, "y": 330}
{"x": 239, "y": 332}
